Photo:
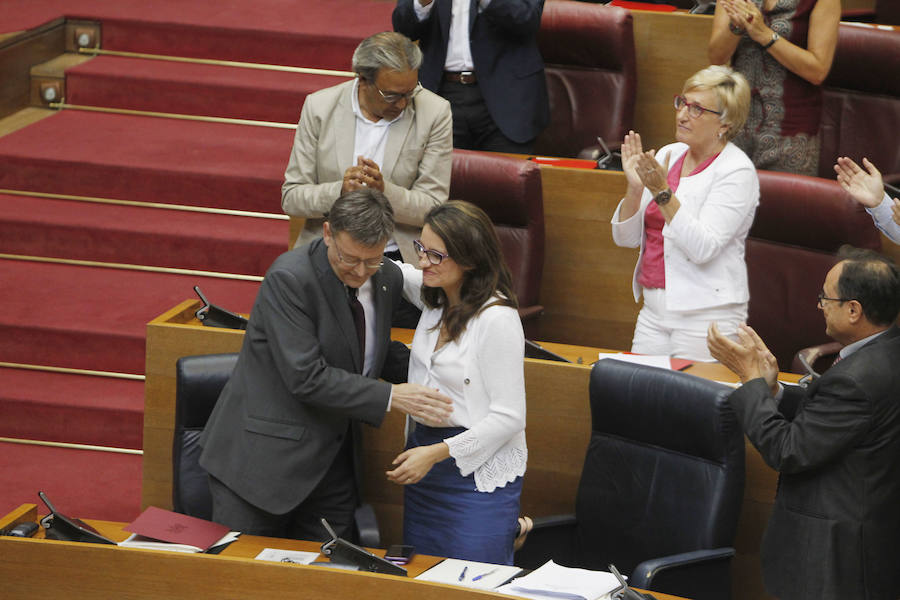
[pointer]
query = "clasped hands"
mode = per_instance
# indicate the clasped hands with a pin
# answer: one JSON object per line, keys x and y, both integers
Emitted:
{"x": 432, "y": 408}
{"x": 641, "y": 168}
{"x": 748, "y": 357}
{"x": 365, "y": 173}
{"x": 744, "y": 14}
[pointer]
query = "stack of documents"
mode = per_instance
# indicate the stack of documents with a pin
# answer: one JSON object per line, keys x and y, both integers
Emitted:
{"x": 554, "y": 581}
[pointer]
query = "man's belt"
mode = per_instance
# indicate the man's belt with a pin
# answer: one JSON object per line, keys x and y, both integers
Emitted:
{"x": 463, "y": 77}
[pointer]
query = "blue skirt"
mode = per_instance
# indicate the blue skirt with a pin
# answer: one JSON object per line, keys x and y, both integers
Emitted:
{"x": 445, "y": 515}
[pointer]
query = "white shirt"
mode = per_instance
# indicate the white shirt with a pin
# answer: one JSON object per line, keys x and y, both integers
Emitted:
{"x": 483, "y": 373}
{"x": 370, "y": 141}
{"x": 459, "y": 54}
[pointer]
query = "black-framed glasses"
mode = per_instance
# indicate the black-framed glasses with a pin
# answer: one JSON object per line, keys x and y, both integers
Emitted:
{"x": 434, "y": 257}
{"x": 371, "y": 264}
{"x": 394, "y": 98}
{"x": 822, "y": 297}
{"x": 695, "y": 111}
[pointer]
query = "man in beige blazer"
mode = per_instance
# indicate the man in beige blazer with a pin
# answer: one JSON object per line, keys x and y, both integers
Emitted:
{"x": 381, "y": 130}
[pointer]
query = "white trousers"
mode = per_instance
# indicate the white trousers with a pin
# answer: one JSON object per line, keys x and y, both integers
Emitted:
{"x": 682, "y": 333}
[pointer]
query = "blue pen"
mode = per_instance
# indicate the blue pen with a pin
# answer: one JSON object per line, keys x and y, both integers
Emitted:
{"x": 463, "y": 574}
{"x": 491, "y": 572}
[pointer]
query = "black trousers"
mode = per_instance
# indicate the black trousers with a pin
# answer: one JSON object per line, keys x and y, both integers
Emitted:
{"x": 473, "y": 127}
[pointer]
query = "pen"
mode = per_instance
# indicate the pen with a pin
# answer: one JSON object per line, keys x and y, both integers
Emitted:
{"x": 491, "y": 572}
{"x": 463, "y": 574}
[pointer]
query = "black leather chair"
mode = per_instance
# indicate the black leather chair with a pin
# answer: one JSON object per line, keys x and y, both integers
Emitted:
{"x": 661, "y": 488}
{"x": 199, "y": 381}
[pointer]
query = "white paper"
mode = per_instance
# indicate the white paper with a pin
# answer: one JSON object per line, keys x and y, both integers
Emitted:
{"x": 651, "y": 360}
{"x": 484, "y": 576}
{"x": 554, "y": 581}
{"x": 287, "y": 556}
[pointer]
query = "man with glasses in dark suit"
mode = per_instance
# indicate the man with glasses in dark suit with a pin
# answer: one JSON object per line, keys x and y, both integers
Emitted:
{"x": 281, "y": 446}
{"x": 836, "y": 444}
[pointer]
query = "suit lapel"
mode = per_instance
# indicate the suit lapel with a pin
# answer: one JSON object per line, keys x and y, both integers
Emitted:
{"x": 345, "y": 130}
{"x": 444, "y": 15}
{"x": 336, "y": 295}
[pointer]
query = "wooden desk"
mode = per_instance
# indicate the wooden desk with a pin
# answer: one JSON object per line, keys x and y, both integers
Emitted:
{"x": 40, "y": 568}
{"x": 558, "y": 433}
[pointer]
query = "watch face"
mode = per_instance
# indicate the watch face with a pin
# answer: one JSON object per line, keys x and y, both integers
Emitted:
{"x": 663, "y": 197}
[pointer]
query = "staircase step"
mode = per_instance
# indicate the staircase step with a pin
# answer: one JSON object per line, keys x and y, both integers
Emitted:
{"x": 94, "y": 317}
{"x": 71, "y": 229}
{"x": 80, "y": 483}
{"x": 310, "y": 33}
{"x": 76, "y": 409}
{"x": 149, "y": 159}
{"x": 195, "y": 89}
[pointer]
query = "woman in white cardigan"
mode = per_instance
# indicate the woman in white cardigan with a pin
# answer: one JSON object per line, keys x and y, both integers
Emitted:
{"x": 689, "y": 208}
{"x": 463, "y": 482}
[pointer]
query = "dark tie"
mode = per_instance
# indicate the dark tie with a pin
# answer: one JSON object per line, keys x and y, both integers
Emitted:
{"x": 359, "y": 319}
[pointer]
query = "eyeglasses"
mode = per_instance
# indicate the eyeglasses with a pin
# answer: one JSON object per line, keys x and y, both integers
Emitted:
{"x": 371, "y": 264}
{"x": 394, "y": 98}
{"x": 695, "y": 111}
{"x": 822, "y": 296}
{"x": 434, "y": 257}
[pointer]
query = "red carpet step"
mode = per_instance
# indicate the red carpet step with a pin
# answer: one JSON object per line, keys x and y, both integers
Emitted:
{"x": 92, "y": 317}
{"x": 136, "y": 235}
{"x": 183, "y": 88}
{"x": 83, "y": 483}
{"x": 320, "y": 33}
{"x": 78, "y": 409}
{"x": 149, "y": 159}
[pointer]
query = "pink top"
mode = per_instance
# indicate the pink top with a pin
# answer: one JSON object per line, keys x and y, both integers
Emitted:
{"x": 653, "y": 265}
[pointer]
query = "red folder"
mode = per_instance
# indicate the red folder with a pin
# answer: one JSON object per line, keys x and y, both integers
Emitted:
{"x": 643, "y": 6}
{"x": 175, "y": 528}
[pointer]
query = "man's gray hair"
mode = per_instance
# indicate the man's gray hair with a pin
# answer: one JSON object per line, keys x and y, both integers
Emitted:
{"x": 389, "y": 50}
{"x": 365, "y": 215}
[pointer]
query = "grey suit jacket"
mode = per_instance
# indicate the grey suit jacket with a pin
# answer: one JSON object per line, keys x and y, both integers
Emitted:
{"x": 835, "y": 527}
{"x": 416, "y": 169}
{"x": 281, "y": 418}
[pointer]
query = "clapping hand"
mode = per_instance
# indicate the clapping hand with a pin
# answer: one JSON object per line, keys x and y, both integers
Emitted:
{"x": 865, "y": 186}
{"x": 748, "y": 357}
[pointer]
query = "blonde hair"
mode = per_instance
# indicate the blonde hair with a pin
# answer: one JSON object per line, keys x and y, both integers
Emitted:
{"x": 732, "y": 91}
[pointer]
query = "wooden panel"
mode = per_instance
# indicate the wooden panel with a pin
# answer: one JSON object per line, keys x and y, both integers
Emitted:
{"x": 18, "y": 54}
{"x": 670, "y": 47}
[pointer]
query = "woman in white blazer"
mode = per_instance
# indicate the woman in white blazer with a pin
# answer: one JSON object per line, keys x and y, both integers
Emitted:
{"x": 463, "y": 481}
{"x": 689, "y": 208}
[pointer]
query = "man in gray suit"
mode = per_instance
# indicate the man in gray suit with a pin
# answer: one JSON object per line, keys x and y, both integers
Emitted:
{"x": 279, "y": 446}
{"x": 836, "y": 444}
{"x": 380, "y": 130}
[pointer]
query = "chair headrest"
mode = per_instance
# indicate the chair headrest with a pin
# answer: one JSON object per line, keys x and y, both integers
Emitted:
{"x": 668, "y": 409}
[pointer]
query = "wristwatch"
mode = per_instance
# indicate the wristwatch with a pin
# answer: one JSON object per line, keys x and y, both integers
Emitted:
{"x": 663, "y": 197}
{"x": 775, "y": 38}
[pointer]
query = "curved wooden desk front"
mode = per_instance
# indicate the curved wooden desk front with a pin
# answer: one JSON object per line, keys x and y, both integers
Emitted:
{"x": 39, "y": 568}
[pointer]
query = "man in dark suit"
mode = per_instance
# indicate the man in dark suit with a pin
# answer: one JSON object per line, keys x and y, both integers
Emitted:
{"x": 279, "y": 446}
{"x": 835, "y": 527}
{"x": 482, "y": 56}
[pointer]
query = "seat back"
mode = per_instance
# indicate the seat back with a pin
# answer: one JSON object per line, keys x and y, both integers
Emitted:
{"x": 589, "y": 60}
{"x": 199, "y": 381}
{"x": 509, "y": 191}
{"x": 664, "y": 470}
{"x": 861, "y": 106}
{"x": 800, "y": 224}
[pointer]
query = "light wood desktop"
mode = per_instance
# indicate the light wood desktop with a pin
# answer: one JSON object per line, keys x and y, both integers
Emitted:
{"x": 40, "y": 568}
